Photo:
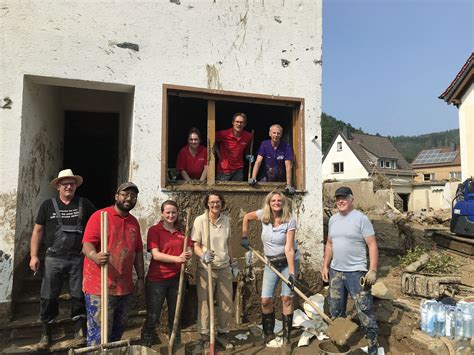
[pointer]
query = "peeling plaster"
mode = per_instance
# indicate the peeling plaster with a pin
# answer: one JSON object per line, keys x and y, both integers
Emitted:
{"x": 213, "y": 81}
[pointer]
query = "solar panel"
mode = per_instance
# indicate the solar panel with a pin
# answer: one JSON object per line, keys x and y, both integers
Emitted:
{"x": 434, "y": 156}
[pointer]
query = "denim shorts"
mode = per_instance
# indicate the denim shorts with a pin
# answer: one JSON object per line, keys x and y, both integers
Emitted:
{"x": 270, "y": 280}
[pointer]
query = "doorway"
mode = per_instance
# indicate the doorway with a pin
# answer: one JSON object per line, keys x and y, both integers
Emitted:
{"x": 91, "y": 146}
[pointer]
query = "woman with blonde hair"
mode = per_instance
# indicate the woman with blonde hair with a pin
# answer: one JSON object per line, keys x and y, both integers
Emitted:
{"x": 279, "y": 246}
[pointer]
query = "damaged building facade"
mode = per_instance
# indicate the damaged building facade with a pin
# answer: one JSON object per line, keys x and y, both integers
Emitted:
{"x": 110, "y": 89}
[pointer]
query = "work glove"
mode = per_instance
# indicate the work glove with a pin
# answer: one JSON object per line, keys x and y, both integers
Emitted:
{"x": 235, "y": 268}
{"x": 290, "y": 190}
{"x": 369, "y": 279}
{"x": 245, "y": 243}
{"x": 252, "y": 181}
{"x": 291, "y": 282}
{"x": 207, "y": 257}
{"x": 250, "y": 158}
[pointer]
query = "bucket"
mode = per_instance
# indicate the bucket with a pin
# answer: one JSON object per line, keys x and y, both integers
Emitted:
{"x": 327, "y": 347}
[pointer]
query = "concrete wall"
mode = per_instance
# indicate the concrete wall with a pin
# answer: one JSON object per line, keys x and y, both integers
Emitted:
{"x": 433, "y": 196}
{"x": 353, "y": 169}
{"x": 364, "y": 195}
{"x": 466, "y": 132}
{"x": 57, "y": 44}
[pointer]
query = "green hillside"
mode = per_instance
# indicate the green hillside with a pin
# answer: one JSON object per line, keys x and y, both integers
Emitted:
{"x": 409, "y": 146}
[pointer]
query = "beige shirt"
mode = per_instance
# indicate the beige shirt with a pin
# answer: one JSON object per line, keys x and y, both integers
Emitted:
{"x": 220, "y": 234}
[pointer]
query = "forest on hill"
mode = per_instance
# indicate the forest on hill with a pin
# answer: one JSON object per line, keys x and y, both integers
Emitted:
{"x": 409, "y": 146}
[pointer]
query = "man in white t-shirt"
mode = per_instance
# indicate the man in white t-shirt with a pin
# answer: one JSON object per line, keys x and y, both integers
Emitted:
{"x": 345, "y": 264}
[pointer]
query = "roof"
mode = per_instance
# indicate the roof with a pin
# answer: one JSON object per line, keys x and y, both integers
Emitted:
{"x": 465, "y": 78}
{"x": 444, "y": 156}
{"x": 381, "y": 147}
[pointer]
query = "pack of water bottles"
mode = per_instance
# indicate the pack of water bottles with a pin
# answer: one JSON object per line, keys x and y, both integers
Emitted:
{"x": 442, "y": 320}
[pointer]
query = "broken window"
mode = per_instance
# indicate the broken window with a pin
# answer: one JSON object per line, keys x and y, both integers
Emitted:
{"x": 338, "y": 167}
{"x": 211, "y": 111}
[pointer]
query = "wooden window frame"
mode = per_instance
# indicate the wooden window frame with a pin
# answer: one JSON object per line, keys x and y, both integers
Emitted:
{"x": 212, "y": 95}
{"x": 339, "y": 164}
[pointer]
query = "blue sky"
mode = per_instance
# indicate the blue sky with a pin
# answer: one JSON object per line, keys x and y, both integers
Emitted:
{"x": 385, "y": 62}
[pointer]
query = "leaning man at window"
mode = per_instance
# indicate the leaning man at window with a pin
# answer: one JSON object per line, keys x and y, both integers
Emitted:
{"x": 277, "y": 157}
{"x": 232, "y": 144}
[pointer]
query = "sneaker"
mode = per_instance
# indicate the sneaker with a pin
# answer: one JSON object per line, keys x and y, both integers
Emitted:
{"x": 223, "y": 340}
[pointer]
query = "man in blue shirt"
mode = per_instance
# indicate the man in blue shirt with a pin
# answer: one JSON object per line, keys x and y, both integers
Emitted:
{"x": 277, "y": 156}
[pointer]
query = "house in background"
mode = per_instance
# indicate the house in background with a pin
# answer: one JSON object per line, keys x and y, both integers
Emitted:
{"x": 440, "y": 164}
{"x": 355, "y": 156}
{"x": 461, "y": 94}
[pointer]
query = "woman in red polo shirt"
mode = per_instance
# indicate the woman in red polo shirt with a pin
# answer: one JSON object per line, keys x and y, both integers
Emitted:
{"x": 192, "y": 158}
{"x": 165, "y": 243}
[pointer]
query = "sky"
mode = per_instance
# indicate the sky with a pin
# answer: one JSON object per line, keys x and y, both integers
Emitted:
{"x": 385, "y": 62}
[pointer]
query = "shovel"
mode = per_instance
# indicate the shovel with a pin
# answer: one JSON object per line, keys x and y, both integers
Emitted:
{"x": 179, "y": 301}
{"x": 339, "y": 330}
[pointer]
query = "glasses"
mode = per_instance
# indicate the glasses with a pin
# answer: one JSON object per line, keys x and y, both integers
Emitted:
{"x": 66, "y": 184}
{"x": 214, "y": 203}
{"x": 131, "y": 195}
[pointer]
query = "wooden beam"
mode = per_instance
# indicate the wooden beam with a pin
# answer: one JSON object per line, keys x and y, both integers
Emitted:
{"x": 211, "y": 138}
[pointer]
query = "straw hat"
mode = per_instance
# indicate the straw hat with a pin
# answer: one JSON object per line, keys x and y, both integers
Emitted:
{"x": 67, "y": 173}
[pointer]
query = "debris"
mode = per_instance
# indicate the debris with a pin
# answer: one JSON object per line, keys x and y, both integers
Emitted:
{"x": 381, "y": 291}
{"x": 380, "y": 350}
{"x": 275, "y": 343}
{"x": 305, "y": 338}
{"x": 422, "y": 260}
{"x": 242, "y": 336}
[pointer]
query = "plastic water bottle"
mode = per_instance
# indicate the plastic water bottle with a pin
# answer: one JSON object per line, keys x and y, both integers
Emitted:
{"x": 440, "y": 320}
{"x": 423, "y": 314}
{"x": 431, "y": 319}
{"x": 459, "y": 324}
{"x": 467, "y": 322}
{"x": 450, "y": 321}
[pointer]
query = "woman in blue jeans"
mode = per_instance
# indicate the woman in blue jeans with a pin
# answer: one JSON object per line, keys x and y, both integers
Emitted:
{"x": 165, "y": 242}
{"x": 279, "y": 246}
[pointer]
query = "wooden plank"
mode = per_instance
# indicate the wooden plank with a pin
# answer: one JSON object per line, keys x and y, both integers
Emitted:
{"x": 211, "y": 138}
{"x": 164, "y": 137}
{"x": 298, "y": 148}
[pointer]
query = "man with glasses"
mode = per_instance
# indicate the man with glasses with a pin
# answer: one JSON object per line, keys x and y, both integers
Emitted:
{"x": 231, "y": 145}
{"x": 345, "y": 264}
{"x": 125, "y": 252}
{"x": 59, "y": 227}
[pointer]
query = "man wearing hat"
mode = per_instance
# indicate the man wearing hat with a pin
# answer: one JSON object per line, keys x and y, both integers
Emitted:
{"x": 124, "y": 252}
{"x": 345, "y": 263}
{"x": 59, "y": 227}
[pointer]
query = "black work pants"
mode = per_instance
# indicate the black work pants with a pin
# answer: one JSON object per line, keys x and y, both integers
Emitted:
{"x": 56, "y": 269}
{"x": 156, "y": 293}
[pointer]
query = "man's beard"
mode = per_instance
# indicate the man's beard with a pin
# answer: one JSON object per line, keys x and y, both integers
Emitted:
{"x": 124, "y": 208}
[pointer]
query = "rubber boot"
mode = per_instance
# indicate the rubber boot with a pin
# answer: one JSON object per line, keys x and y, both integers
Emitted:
{"x": 46, "y": 337}
{"x": 148, "y": 337}
{"x": 268, "y": 324}
{"x": 287, "y": 328}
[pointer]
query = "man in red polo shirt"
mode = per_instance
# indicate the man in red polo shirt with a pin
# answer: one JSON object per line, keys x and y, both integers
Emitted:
{"x": 232, "y": 144}
{"x": 125, "y": 251}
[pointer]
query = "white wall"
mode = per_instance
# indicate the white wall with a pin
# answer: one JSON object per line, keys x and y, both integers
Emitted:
{"x": 466, "y": 132}
{"x": 353, "y": 169}
{"x": 243, "y": 42}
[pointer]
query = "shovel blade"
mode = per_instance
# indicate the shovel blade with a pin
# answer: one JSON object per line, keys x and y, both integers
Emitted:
{"x": 341, "y": 330}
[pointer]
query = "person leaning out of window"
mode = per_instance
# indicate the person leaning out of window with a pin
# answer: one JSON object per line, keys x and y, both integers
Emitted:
{"x": 192, "y": 158}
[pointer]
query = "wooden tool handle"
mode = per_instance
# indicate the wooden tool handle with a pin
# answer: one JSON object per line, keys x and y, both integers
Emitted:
{"x": 104, "y": 290}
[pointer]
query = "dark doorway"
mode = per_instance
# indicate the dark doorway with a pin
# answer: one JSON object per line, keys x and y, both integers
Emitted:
{"x": 405, "y": 198}
{"x": 91, "y": 150}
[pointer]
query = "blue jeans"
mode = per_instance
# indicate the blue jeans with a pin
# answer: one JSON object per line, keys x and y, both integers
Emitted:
{"x": 270, "y": 280}
{"x": 342, "y": 283}
{"x": 117, "y": 309}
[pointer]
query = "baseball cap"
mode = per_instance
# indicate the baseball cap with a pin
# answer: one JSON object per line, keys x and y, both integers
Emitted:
{"x": 127, "y": 185}
{"x": 343, "y": 191}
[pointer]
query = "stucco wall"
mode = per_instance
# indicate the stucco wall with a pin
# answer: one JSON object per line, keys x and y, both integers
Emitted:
{"x": 353, "y": 169}
{"x": 466, "y": 132}
{"x": 243, "y": 42}
{"x": 433, "y": 196}
{"x": 441, "y": 173}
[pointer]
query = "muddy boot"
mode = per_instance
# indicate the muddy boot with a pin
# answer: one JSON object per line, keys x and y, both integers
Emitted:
{"x": 148, "y": 337}
{"x": 223, "y": 340}
{"x": 80, "y": 328}
{"x": 287, "y": 328}
{"x": 268, "y": 324}
{"x": 46, "y": 337}
{"x": 373, "y": 347}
